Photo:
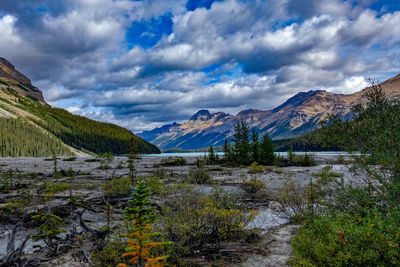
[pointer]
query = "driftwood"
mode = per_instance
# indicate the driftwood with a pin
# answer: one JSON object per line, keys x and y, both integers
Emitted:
{"x": 13, "y": 256}
{"x": 84, "y": 226}
{"x": 94, "y": 234}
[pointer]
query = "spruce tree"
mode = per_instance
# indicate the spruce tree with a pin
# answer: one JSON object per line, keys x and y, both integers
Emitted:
{"x": 211, "y": 158}
{"x": 255, "y": 146}
{"x": 141, "y": 216}
{"x": 267, "y": 155}
{"x": 241, "y": 141}
{"x": 139, "y": 209}
{"x": 227, "y": 152}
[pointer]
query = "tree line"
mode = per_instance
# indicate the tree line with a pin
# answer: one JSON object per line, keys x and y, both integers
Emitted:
{"x": 246, "y": 147}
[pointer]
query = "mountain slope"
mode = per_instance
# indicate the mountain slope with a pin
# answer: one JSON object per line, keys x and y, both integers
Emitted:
{"x": 41, "y": 130}
{"x": 297, "y": 116}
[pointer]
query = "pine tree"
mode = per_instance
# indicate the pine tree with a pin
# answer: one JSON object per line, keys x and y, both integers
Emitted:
{"x": 141, "y": 216}
{"x": 131, "y": 157}
{"x": 139, "y": 209}
{"x": 50, "y": 223}
{"x": 49, "y": 229}
{"x": 227, "y": 152}
{"x": 267, "y": 155}
{"x": 55, "y": 166}
{"x": 211, "y": 158}
{"x": 255, "y": 146}
{"x": 241, "y": 141}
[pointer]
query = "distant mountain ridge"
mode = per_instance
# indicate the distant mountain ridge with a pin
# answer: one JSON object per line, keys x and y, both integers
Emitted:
{"x": 31, "y": 127}
{"x": 297, "y": 116}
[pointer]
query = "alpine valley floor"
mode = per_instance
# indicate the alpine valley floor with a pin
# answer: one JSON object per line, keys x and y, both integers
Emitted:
{"x": 24, "y": 182}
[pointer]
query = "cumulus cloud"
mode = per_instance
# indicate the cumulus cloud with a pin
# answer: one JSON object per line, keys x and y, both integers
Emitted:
{"x": 224, "y": 56}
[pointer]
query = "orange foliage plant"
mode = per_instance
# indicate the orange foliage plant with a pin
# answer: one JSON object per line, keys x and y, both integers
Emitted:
{"x": 141, "y": 242}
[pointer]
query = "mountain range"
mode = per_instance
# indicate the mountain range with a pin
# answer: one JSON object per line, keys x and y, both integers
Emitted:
{"x": 297, "y": 116}
{"x": 31, "y": 127}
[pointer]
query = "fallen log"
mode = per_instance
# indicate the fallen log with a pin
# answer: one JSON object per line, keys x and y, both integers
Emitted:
{"x": 13, "y": 256}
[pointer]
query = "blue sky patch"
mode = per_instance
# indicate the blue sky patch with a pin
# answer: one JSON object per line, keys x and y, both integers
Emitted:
{"x": 147, "y": 33}
{"x": 193, "y": 4}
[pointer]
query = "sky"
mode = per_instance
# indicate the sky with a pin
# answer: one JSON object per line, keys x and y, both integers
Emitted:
{"x": 143, "y": 64}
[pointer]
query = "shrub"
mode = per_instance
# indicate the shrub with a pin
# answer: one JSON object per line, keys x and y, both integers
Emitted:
{"x": 92, "y": 160}
{"x": 216, "y": 169}
{"x": 105, "y": 160}
{"x": 200, "y": 163}
{"x": 292, "y": 200}
{"x": 304, "y": 160}
{"x": 156, "y": 185}
{"x": 253, "y": 185}
{"x": 220, "y": 224}
{"x": 51, "y": 188}
{"x": 191, "y": 219}
{"x": 7, "y": 183}
{"x": 199, "y": 176}
{"x": 326, "y": 175}
{"x": 298, "y": 203}
{"x": 341, "y": 159}
{"x": 255, "y": 168}
{"x": 69, "y": 159}
{"x": 347, "y": 240}
{"x": 118, "y": 187}
{"x": 161, "y": 173}
{"x": 224, "y": 200}
{"x": 108, "y": 254}
{"x": 10, "y": 211}
{"x": 49, "y": 229}
{"x": 174, "y": 161}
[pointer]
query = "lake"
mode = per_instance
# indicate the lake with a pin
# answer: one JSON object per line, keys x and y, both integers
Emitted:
{"x": 201, "y": 154}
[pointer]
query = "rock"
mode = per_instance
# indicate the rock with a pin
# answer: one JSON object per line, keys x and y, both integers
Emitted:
{"x": 275, "y": 206}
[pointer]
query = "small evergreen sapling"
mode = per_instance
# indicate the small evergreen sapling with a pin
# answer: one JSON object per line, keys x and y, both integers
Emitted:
{"x": 49, "y": 229}
{"x": 212, "y": 157}
{"x": 105, "y": 160}
{"x": 55, "y": 172}
{"x": 131, "y": 157}
{"x": 140, "y": 214}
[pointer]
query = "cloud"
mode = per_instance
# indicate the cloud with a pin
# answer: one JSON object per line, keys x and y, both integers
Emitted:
{"x": 218, "y": 55}
{"x": 8, "y": 33}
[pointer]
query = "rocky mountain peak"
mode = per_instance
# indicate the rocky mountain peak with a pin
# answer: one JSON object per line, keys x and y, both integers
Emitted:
{"x": 6, "y": 62}
{"x": 8, "y": 71}
{"x": 247, "y": 112}
{"x": 201, "y": 115}
{"x": 299, "y": 99}
{"x": 11, "y": 78}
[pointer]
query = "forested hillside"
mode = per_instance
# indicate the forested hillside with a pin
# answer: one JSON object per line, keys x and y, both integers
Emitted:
{"x": 14, "y": 141}
{"x": 84, "y": 133}
{"x": 308, "y": 142}
{"x": 30, "y": 127}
